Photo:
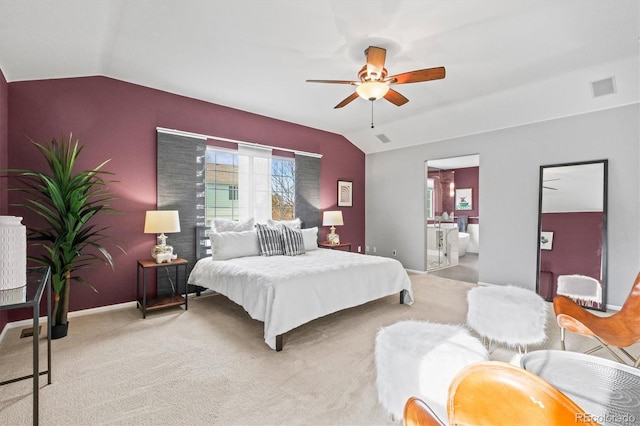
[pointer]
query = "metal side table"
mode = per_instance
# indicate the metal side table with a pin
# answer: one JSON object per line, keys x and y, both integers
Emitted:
{"x": 30, "y": 296}
{"x": 607, "y": 390}
{"x": 150, "y": 304}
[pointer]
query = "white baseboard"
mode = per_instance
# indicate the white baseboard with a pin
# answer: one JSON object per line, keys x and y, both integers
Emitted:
{"x": 126, "y": 305}
{"x": 43, "y": 320}
{"x": 100, "y": 309}
{"x": 613, "y": 307}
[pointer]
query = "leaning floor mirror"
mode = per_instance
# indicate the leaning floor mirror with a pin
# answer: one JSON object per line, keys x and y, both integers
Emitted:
{"x": 572, "y": 233}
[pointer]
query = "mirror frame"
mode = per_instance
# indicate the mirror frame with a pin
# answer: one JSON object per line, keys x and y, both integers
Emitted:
{"x": 603, "y": 257}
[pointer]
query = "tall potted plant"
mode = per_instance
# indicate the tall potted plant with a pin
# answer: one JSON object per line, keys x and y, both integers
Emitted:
{"x": 66, "y": 200}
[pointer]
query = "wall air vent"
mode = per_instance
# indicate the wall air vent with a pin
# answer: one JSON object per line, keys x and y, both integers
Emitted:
{"x": 603, "y": 87}
{"x": 383, "y": 138}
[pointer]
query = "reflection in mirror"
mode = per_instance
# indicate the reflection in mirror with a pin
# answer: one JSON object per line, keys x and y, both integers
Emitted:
{"x": 572, "y": 227}
{"x": 452, "y": 224}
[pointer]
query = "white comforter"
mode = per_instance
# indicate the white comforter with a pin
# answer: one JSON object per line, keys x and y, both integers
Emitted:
{"x": 287, "y": 291}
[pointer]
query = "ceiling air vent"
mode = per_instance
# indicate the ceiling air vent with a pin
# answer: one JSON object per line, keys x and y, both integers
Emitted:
{"x": 383, "y": 138}
{"x": 603, "y": 87}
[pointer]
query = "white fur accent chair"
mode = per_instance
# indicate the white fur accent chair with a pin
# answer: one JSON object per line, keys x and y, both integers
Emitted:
{"x": 420, "y": 359}
{"x": 513, "y": 316}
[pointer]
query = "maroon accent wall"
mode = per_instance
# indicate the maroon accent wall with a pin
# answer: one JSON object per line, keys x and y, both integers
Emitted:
{"x": 117, "y": 120}
{"x": 4, "y": 129}
{"x": 469, "y": 177}
{"x": 576, "y": 248}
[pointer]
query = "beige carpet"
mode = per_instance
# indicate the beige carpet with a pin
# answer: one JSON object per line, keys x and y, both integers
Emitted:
{"x": 210, "y": 365}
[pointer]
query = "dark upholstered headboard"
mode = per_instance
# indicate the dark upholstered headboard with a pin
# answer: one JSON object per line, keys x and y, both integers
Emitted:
{"x": 203, "y": 243}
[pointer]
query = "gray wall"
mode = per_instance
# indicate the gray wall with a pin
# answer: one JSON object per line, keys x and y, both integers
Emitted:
{"x": 509, "y": 172}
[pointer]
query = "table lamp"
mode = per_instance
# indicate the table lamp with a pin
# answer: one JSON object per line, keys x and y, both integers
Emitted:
{"x": 333, "y": 219}
{"x": 159, "y": 222}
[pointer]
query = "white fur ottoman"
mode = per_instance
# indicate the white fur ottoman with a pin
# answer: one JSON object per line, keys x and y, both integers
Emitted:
{"x": 418, "y": 358}
{"x": 510, "y": 315}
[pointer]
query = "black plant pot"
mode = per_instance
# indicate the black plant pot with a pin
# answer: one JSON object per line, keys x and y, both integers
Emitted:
{"x": 59, "y": 331}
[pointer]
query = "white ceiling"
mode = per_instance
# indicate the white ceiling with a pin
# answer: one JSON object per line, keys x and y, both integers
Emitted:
{"x": 508, "y": 62}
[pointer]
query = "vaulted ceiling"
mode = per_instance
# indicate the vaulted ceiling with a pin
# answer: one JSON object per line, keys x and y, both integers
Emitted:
{"x": 508, "y": 63}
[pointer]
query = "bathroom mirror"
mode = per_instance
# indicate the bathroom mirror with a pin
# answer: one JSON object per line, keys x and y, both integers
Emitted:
{"x": 452, "y": 224}
{"x": 572, "y": 232}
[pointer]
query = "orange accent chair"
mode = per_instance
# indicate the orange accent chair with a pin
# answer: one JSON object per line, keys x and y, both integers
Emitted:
{"x": 498, "y": 393}
{"x": 418, "y": 413}
{"x": 619, "y": 330}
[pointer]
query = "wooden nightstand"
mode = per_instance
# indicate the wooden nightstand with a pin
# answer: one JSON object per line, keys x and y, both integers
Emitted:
{"x": 327, "y": 244}
{"x": 150, "y": 304}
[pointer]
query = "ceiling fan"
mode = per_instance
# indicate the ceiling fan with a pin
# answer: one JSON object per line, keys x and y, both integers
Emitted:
{"x": 373, "y": 83}
{"x": 550, "y": 187}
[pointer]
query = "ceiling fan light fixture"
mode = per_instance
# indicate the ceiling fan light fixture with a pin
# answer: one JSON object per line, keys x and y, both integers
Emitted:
{"x": 373, "y": 83}
{"x": 372, "y": 90}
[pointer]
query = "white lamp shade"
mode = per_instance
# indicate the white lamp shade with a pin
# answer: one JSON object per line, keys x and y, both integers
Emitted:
{"x": 372, "y": 90}
{"x": 332, "y": 218}
{"x": 161, "y": 221}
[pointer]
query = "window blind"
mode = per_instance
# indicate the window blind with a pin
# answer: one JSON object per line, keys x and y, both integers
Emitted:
{"x": 254, "y": 183}
{"x": 307, "y": 198}
{"x": 180, "y": 186}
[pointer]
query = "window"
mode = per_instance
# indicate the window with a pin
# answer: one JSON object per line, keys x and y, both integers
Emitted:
{"x": 221, "y": 182}
{"x": 233, "y": 192}
{"x": 282, "y": 189}
{"x": 226, "y": 174}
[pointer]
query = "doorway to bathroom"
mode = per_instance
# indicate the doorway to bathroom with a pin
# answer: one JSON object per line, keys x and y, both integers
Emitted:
{"x": 452, "y": 221}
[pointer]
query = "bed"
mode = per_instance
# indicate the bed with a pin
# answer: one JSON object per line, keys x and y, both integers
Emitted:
{"x": 285, "y": 292}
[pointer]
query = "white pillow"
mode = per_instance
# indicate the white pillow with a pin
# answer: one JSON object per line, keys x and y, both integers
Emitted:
{"x": 310, "y": 237}
{"x": 225, "y": 225}
{"x": 228, "y": 245}
{"x": 269, "y": 240}
{"x": 293, "y": 224}
{"x": 292, "y": 241}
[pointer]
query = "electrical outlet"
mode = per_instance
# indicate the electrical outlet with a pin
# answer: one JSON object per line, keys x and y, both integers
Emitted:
{"x": 359, "y": 249}
{"x": 366, "y": 249}
{"x": 394, "y": 252}
{"x": 374, "y": 249}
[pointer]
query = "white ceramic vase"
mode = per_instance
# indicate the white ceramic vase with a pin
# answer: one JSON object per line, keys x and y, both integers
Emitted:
{"x": 13, "y": 253}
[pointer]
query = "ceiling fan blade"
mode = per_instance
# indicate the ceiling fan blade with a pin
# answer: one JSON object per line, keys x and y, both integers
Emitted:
{"x": 348, "y": 99}
{"x": 375, "y": 61}
{"x": 395, "y": 98}
{"x": 417, "y": 76}
{"x": 333, "y": 81}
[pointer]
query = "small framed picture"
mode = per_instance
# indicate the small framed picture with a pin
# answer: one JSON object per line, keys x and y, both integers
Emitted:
{"x": 345, "y": 193}
{"x": 463, "y": 199}
{"x": 546, "y": 240}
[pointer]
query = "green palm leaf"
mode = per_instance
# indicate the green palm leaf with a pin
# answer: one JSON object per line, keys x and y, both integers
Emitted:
{"x": 66, "y": 201}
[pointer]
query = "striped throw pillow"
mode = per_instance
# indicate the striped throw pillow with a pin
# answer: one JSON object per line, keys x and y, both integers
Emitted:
{"x": 269, "y": 240}
{"x": 292, "y": 241}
